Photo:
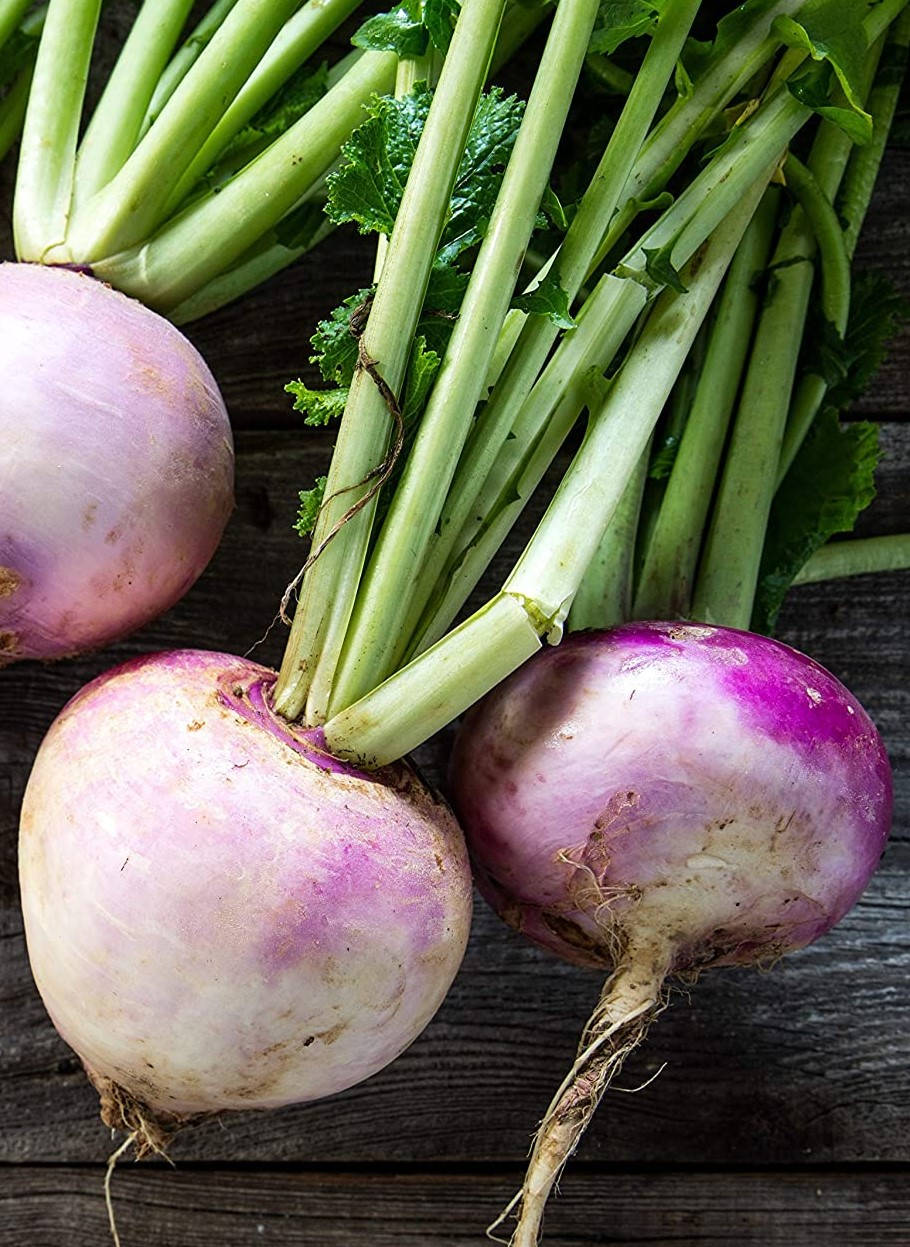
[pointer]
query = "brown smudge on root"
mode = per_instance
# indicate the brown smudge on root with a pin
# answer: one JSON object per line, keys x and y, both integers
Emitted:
{"x": 9, "y": 646}
{"x": 151, "y": 1129}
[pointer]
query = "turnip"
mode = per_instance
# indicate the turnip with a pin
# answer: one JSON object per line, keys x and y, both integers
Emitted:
{"x": 117, "y": 463}
{"x": 220, "y": 915}
{"x": 658, "y": 800}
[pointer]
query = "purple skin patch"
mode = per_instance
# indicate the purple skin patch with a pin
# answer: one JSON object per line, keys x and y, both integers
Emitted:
{"x": 715, "y": 789}
{"x": 210, "y": 896}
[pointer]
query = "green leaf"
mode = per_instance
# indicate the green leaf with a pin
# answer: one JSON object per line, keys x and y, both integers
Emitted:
{"x": 300, "y": 226}
{"x": 397, "y": 32}
{"x": 660, "y": 268}
{"x": 553, "y": 210}
{"x": 619, "y": 20}
{"x": 848, "y": 364}
{"x": 547, "y": 299}
{"x": 308, "y": 511}
{"x": 439, "y": 17}
{"x": 812, "y": 87}
{"x": 832, "y": 31}
{"x": 334, "y": 344}
{"x": 377, "y": 159}
{"x": 422, "y": 369}
{"x": 302, "y": 90}
{"x": 664, "y": 457}
{"x": 321, "y": 407}
{"x": 489, "y": 146}
{"x": 831, "y": 480}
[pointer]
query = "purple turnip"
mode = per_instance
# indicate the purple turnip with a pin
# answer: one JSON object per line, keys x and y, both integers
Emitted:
{"x": 657, "y": 800}
{"x": 220, "y": 915}
{"x": 116, "y": 463}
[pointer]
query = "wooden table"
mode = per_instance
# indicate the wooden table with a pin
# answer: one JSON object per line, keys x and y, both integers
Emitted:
{"x": 782, "y": 1113}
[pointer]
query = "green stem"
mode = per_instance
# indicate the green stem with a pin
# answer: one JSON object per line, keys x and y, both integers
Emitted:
{"x": 117, "y": 120}
{"x": 687, "y": 118}
{"x": 856, "y": 557}
{"x": 134, "y": 202}
{"x": 604, "y": 597}
{"x": 423, "y": 696}
{"x": 213, "y": 232}
{"x": 668, "y": 572}
{"x": 383, "y": 599}
{"x": 609, "y": 74}
{"x": 607, "y": 317}
{"x": 300, "y": 37}
{"x": 863, "y": 167}
{"x": 835, "y": 300}
{"x": 262, "y": 261}
{"x": 330, "y": 586}
{"x": 183, "y": 60}
{"x": 13, "y": 105}
{"x": 47, "y": 154}
{"x": 570, "y": 267}
{"x": 11, "y": 14}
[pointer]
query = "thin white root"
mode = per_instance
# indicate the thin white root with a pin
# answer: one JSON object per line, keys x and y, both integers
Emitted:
{"x": 108, "y": 1201}
{"x": 629, "y": 1002}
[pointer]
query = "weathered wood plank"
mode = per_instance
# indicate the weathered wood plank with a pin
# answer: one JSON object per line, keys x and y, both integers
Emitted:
{"x": 161, "y": 1208}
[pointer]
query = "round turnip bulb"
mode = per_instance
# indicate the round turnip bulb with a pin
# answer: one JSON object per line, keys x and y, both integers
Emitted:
{"x": 664, "y": 798}
{"x": 116, "y": 463}
{"x": 219, "y": 915}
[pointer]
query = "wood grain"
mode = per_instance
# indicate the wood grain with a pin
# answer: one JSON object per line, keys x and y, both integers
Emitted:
{"x": 185, "y": 1208}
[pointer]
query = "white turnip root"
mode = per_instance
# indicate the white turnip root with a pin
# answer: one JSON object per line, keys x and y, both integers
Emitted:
{"x": 220, "y": 915}
{"x": 657, "y": 800}
{"x": 116, "y": 463}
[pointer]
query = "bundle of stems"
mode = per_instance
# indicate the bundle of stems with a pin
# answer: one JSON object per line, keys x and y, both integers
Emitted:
{"x": 201, "y": 171}
{"x": 370, "y": 657}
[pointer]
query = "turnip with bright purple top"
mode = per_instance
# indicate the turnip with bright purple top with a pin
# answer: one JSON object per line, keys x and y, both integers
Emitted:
{"x": 117, "y": 463}
{"x": 660, "y": 799}
{"x": 241, "y": 921}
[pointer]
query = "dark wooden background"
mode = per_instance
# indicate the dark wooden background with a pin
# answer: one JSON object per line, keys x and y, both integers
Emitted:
{"x": 782, "y": 1113}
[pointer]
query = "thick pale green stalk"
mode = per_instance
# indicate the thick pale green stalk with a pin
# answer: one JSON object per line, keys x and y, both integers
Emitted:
{"x": 570, "y": 267}
{"x": 135, "y": 201}
{"x": 614, "y": 303}
{"x": 375, "y": 631}
{"x": 668, "y": 572}
{"x": 47, "y": 154}
{"x": 604, "y": 597}
{"x": 298, "y": 39}
{"x": 856, "y": 557}
{"x": 262, "y": 261}
{"x": 423, "y": 696}
{"x": 185, "y": 57}
{"x": 330, "y": 587}
{"x": 865, "y": 161}
{"x": 117, "y": 120}
{"x": 207, "y": 238}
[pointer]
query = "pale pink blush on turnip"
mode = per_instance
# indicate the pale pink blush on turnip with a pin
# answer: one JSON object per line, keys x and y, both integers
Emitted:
{"x": 218, "y": 914}
{"x": 116, "y": 463}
